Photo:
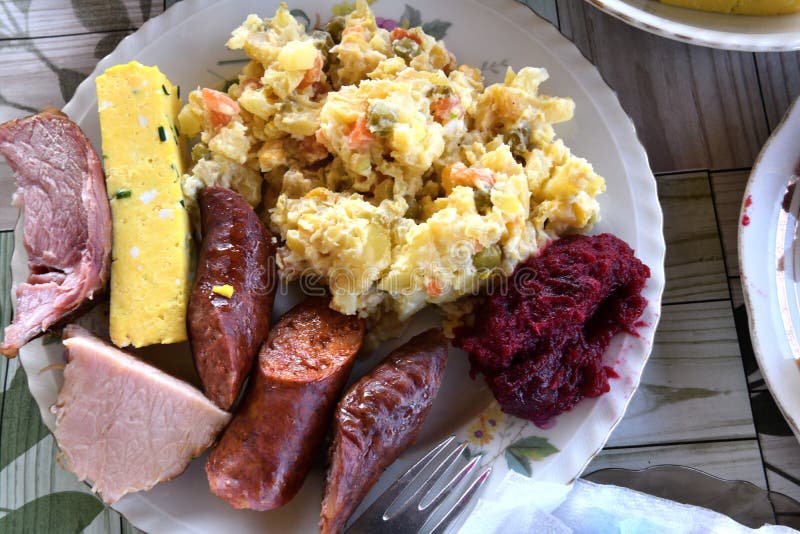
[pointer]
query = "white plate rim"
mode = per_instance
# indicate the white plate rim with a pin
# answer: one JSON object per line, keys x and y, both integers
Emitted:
{"x": 698, "y": 35}
{"x": 573, "y": 458}
{"x": 766, "y": 336}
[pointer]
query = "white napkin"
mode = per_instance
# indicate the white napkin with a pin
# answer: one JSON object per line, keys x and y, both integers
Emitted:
{"x": 522, "y": 506}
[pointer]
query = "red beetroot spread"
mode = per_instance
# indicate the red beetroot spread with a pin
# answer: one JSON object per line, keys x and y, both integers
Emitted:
{"x": 540, "y": 343}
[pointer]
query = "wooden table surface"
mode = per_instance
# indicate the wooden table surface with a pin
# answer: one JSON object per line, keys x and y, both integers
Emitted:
{"x": 702, "y": 115}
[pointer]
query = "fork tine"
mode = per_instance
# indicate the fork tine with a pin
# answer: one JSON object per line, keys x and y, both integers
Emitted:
{"x": 462, "y": 502}
{"x": 429, "y": 481}
{"x": 388, "y": 497}
{"x": 451, "y": 485}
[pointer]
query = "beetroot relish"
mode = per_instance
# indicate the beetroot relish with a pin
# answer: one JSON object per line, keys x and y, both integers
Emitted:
{"x": 540, "y": 342}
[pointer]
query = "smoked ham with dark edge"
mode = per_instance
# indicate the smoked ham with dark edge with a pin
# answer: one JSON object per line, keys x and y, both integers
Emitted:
{"x": 67, "y": 227}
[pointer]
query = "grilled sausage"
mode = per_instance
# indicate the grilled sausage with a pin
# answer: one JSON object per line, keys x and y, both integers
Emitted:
{"x": 267, "y": 451}
{"x": 225, "y": 332}
{"x": 378, "y": 418}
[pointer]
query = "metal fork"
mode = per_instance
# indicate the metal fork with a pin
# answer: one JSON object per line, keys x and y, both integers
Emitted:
{"x": 390, "y": 513}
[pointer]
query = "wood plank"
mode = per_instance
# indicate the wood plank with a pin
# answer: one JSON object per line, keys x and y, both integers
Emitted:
{"x": 780, "y": 82}
{"x": 728, "y": 191}
{"x": 694, "y": 107}
{"x": 737, "y": 295}
{"x": 693, "y": 387}
{"x": 47, "y": 18}
{"x": 45, "y": 72}
{"x": 731, "y": 460}
{"x": 752, "y": 372}
{"x": 782, "y": 461}
{"x": 544, "y": 8}
{"x": 694, "y": 266}
{"x": 8, "y": 213}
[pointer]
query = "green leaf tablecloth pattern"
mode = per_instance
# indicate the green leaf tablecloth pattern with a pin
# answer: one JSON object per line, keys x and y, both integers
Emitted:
{"x": 702, "y": 115}
{"x": 62, "y": 512}
{"x": 19, "y": 412}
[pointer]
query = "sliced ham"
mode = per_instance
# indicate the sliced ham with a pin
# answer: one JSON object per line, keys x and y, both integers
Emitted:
{"x": 67, "y": 230}
{"x": 125, "y": 425}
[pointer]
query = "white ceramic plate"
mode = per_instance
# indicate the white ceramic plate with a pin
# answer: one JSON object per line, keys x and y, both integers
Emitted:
{"x": 769, "y": 262}
{"x": 732, "y": 32}
{"x": 187, "y": 44}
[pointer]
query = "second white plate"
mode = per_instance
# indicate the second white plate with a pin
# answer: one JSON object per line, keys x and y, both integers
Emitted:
{"x": 732, "y": 32}
{"x": 769, "y": 262}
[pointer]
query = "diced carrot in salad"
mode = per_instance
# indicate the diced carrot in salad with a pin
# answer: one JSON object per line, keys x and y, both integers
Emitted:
{"x": 460, "y": 174}
{"x": 434, "y": 288}
{"x": 446, "y": 109}
{"x": 360, "y": 136}
{"x": 399, "y": 33}
{"x": 353, "y": 29}
{"x": 221, "y": 108}
{"x": 313, "y": 74}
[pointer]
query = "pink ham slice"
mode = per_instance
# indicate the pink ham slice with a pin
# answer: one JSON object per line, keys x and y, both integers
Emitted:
{"x": 125, "y": 425}
{"x": 67, "y": 229}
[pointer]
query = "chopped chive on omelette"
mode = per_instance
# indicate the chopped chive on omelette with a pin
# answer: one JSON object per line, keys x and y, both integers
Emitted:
{"x": 123, "y": 193}
{"x": 162, "y": 134}
{"x": 223, "y": 290}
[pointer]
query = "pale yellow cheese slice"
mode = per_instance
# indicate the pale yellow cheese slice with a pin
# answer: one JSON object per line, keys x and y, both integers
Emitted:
{"x": 143, "y": 158}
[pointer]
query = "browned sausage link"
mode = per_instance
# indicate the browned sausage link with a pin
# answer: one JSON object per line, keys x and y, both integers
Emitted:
{"x": 225, "y": 332}
{"x": 267, "y": 450}
{"x": 378, "y": 418}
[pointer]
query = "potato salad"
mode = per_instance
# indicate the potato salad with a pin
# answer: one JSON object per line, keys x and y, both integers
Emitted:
{"x": 390, "y": 172}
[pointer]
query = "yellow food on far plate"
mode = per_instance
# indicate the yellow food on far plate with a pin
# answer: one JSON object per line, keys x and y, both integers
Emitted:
{"x": 391, "y": 173}
{"x": 151, "y": 236}
{"x": 740, "y": 7}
